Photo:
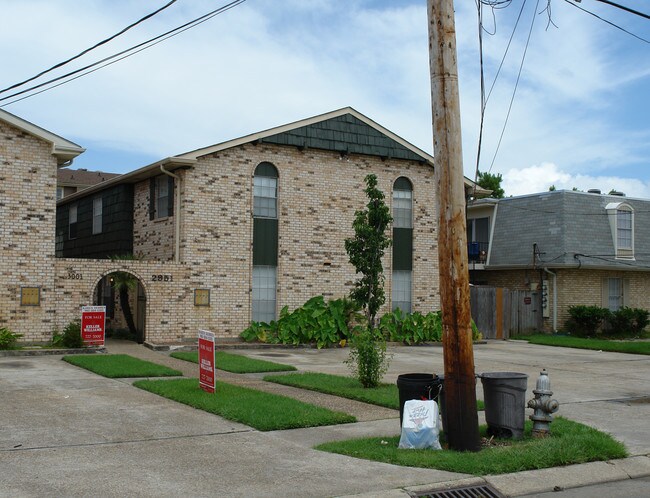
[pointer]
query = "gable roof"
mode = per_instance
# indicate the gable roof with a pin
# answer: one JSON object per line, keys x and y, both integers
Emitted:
{"x": 63, "y": 149}
{"x": 570, "y": 230}
{"x": 344, "y": 130}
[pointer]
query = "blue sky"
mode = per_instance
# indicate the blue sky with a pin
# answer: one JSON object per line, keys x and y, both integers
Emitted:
{"x": 579, "y": 118}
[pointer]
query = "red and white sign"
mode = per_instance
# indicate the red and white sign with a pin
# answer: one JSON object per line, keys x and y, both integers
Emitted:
{"x": 207, "y": 377}
{"x": 93, "y": 325}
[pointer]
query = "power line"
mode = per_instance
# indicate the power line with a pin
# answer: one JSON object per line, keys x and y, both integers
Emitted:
{"x": 121, "y": 55}
{"x": 623, "y": 7}
{"x": 521, "y": 66}
{"x": 485, "y": 99}
{"x": 608, "y": 22}
{"x": 103, "y": 42}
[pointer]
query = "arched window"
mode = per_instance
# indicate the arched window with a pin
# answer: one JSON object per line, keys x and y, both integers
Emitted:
{"x": 265, "y": 242}
{"x": 621, "y": 219}
{"x": 265, "y": 191}
{"x": 402, "y": 244}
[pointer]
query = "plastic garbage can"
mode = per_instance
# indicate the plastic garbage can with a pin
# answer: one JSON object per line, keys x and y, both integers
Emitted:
{"x": 418, "y": 386}
{"x": 504, "y": 394}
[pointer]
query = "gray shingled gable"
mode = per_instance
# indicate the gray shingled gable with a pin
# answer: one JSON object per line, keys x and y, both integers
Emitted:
{"x": 344, "y": 133}
{"x": 564, "y": 224}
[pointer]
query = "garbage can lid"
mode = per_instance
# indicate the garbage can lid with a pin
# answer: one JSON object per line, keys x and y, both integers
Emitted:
{"x": 503, "y": 375}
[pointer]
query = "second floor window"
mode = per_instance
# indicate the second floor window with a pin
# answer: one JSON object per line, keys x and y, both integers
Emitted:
{"x": 624, "y": 229}
{"x": 161, "y": 196}
{"x": 72, "y": 221}
{"x": 265, "y": 191}
{"x": 97, "y": 215}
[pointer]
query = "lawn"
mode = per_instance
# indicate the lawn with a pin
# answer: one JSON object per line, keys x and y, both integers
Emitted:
{"x": 236, "y": 363}
{"x": 632, "y": 347}
{"x": 570, "y": 443}
{"x": 263, "y": 411}
{"x": 346, "y": 387}
{"x": 120, "y": 365}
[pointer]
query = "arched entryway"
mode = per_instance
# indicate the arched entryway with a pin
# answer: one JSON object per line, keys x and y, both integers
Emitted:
{"x": 125, "y": 299}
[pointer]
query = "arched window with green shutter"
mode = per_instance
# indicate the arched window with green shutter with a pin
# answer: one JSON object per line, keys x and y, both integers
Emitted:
{"x": 265, "y": 242}
{"x": 402, "y": 278}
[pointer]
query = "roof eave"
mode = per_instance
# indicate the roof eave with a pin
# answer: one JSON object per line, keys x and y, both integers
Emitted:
{"x": 170, "y": 164}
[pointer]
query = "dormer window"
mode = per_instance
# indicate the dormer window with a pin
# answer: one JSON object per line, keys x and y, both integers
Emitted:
{"x": 621, "y": 220}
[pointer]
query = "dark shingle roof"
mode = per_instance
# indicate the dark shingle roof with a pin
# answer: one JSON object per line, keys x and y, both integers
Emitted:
{"x": 570, "y": 229}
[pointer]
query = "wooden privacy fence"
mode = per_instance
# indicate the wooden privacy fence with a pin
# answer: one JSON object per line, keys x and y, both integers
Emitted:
{"x": 500, "y": 313}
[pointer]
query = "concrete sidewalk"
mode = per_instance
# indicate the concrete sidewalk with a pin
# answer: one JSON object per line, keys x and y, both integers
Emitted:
{"x": 68, "y": 432}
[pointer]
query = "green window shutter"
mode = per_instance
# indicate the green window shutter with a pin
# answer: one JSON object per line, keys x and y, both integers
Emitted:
{"x": 152, "y": 198}
{"x": 626, "y": 292}
{"x": 170, "y": 196}
{"x": 265, "y": 242}
{"x": 402, "y": 248}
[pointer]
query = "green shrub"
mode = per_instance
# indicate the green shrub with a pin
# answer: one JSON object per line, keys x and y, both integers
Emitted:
{"x": 315, "y": 322}
{"x": 8, "y": 339}
{"x": 70, "y": 338}
{"x": 415, "y": 328}
{"x": 587, "y": 321}
{"x": 629, "y": 322}
{"x": 368, "y": 360}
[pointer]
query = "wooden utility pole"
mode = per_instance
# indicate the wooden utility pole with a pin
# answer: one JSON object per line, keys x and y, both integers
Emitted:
{"x": 460, "y": 383}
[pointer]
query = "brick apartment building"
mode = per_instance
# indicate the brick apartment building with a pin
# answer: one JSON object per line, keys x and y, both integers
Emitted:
{"x": 223, "y": 235}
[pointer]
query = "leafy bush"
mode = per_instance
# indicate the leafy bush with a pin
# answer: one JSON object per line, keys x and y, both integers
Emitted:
{"x": 628, "y": 322}
{"x": 368, "y": 359}
{"x": 590, "y": 321}
{"x": 8, "y": 339}
{"x": 586, "y": 321}
{"x": 315, "y": 322}
{"x": 70, "y": 338}
{"x": 416, "y": 328}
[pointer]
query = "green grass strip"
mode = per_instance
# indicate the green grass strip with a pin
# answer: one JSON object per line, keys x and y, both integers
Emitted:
{"x": 346, "y": 387}
{"x": 120, "y": 365}
{"x": 263, "y": 411}
{"x": 236, "y": 363}
{"x": 632, "y": 347}
{"x": 569, "y": 443}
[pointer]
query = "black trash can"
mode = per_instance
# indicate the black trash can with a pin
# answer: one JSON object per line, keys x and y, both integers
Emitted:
{"x": 504, "y": 394}
{"x": 418, "y": 386}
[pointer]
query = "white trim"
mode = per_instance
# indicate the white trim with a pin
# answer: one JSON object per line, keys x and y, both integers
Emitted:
{"x": 63, "y": 149}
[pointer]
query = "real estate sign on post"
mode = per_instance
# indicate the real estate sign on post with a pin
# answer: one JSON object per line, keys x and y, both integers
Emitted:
{"x": 207, "y": 377}
{"x": 93, "y": 320}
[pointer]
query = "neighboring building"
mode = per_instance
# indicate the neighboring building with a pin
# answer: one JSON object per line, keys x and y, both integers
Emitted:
{"x": 233, "y": 232}
{"x": 69, "y": 181}
{"x": 567, "y": 248}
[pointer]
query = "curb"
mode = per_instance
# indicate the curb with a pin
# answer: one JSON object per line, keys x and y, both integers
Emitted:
{"x": 51, "y": 352}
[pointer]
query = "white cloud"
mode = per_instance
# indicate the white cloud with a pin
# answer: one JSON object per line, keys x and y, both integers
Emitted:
{"x": 579, "y": 105}
{"x": 539, "y": 178}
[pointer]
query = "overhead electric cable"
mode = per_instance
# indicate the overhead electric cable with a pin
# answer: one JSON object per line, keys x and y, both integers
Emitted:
{"x": 623, "y": 7}
{"x": 608, "y": 22}
{"x": 103, "y": 42}
{"x": 129, "y": 52}
{"x": 521, "y": 66}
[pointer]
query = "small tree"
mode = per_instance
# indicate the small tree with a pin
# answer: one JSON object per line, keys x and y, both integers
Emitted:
{"x": 366, "y": 249}
{"x": 368, "y": 357}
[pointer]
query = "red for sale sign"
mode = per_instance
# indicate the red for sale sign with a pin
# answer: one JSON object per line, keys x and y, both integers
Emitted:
{"x": 207, "y": 377}
{"x": 93, "y": 320}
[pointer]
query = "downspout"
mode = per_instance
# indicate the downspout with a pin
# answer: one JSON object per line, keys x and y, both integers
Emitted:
{"x": 554, "y": 298}
{"x": 177, "y": 214}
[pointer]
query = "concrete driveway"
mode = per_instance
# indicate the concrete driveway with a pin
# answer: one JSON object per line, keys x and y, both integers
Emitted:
{"x": 67, "y": 432}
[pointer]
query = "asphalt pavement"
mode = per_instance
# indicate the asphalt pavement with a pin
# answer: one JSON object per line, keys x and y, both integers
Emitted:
{"x": 67, "y": 432}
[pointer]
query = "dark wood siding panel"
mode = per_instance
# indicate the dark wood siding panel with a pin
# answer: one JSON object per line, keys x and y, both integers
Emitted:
{"x": 117, "y": 226}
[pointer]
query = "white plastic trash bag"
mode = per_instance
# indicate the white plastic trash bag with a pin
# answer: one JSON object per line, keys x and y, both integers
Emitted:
{"x": 420, "y": 425}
